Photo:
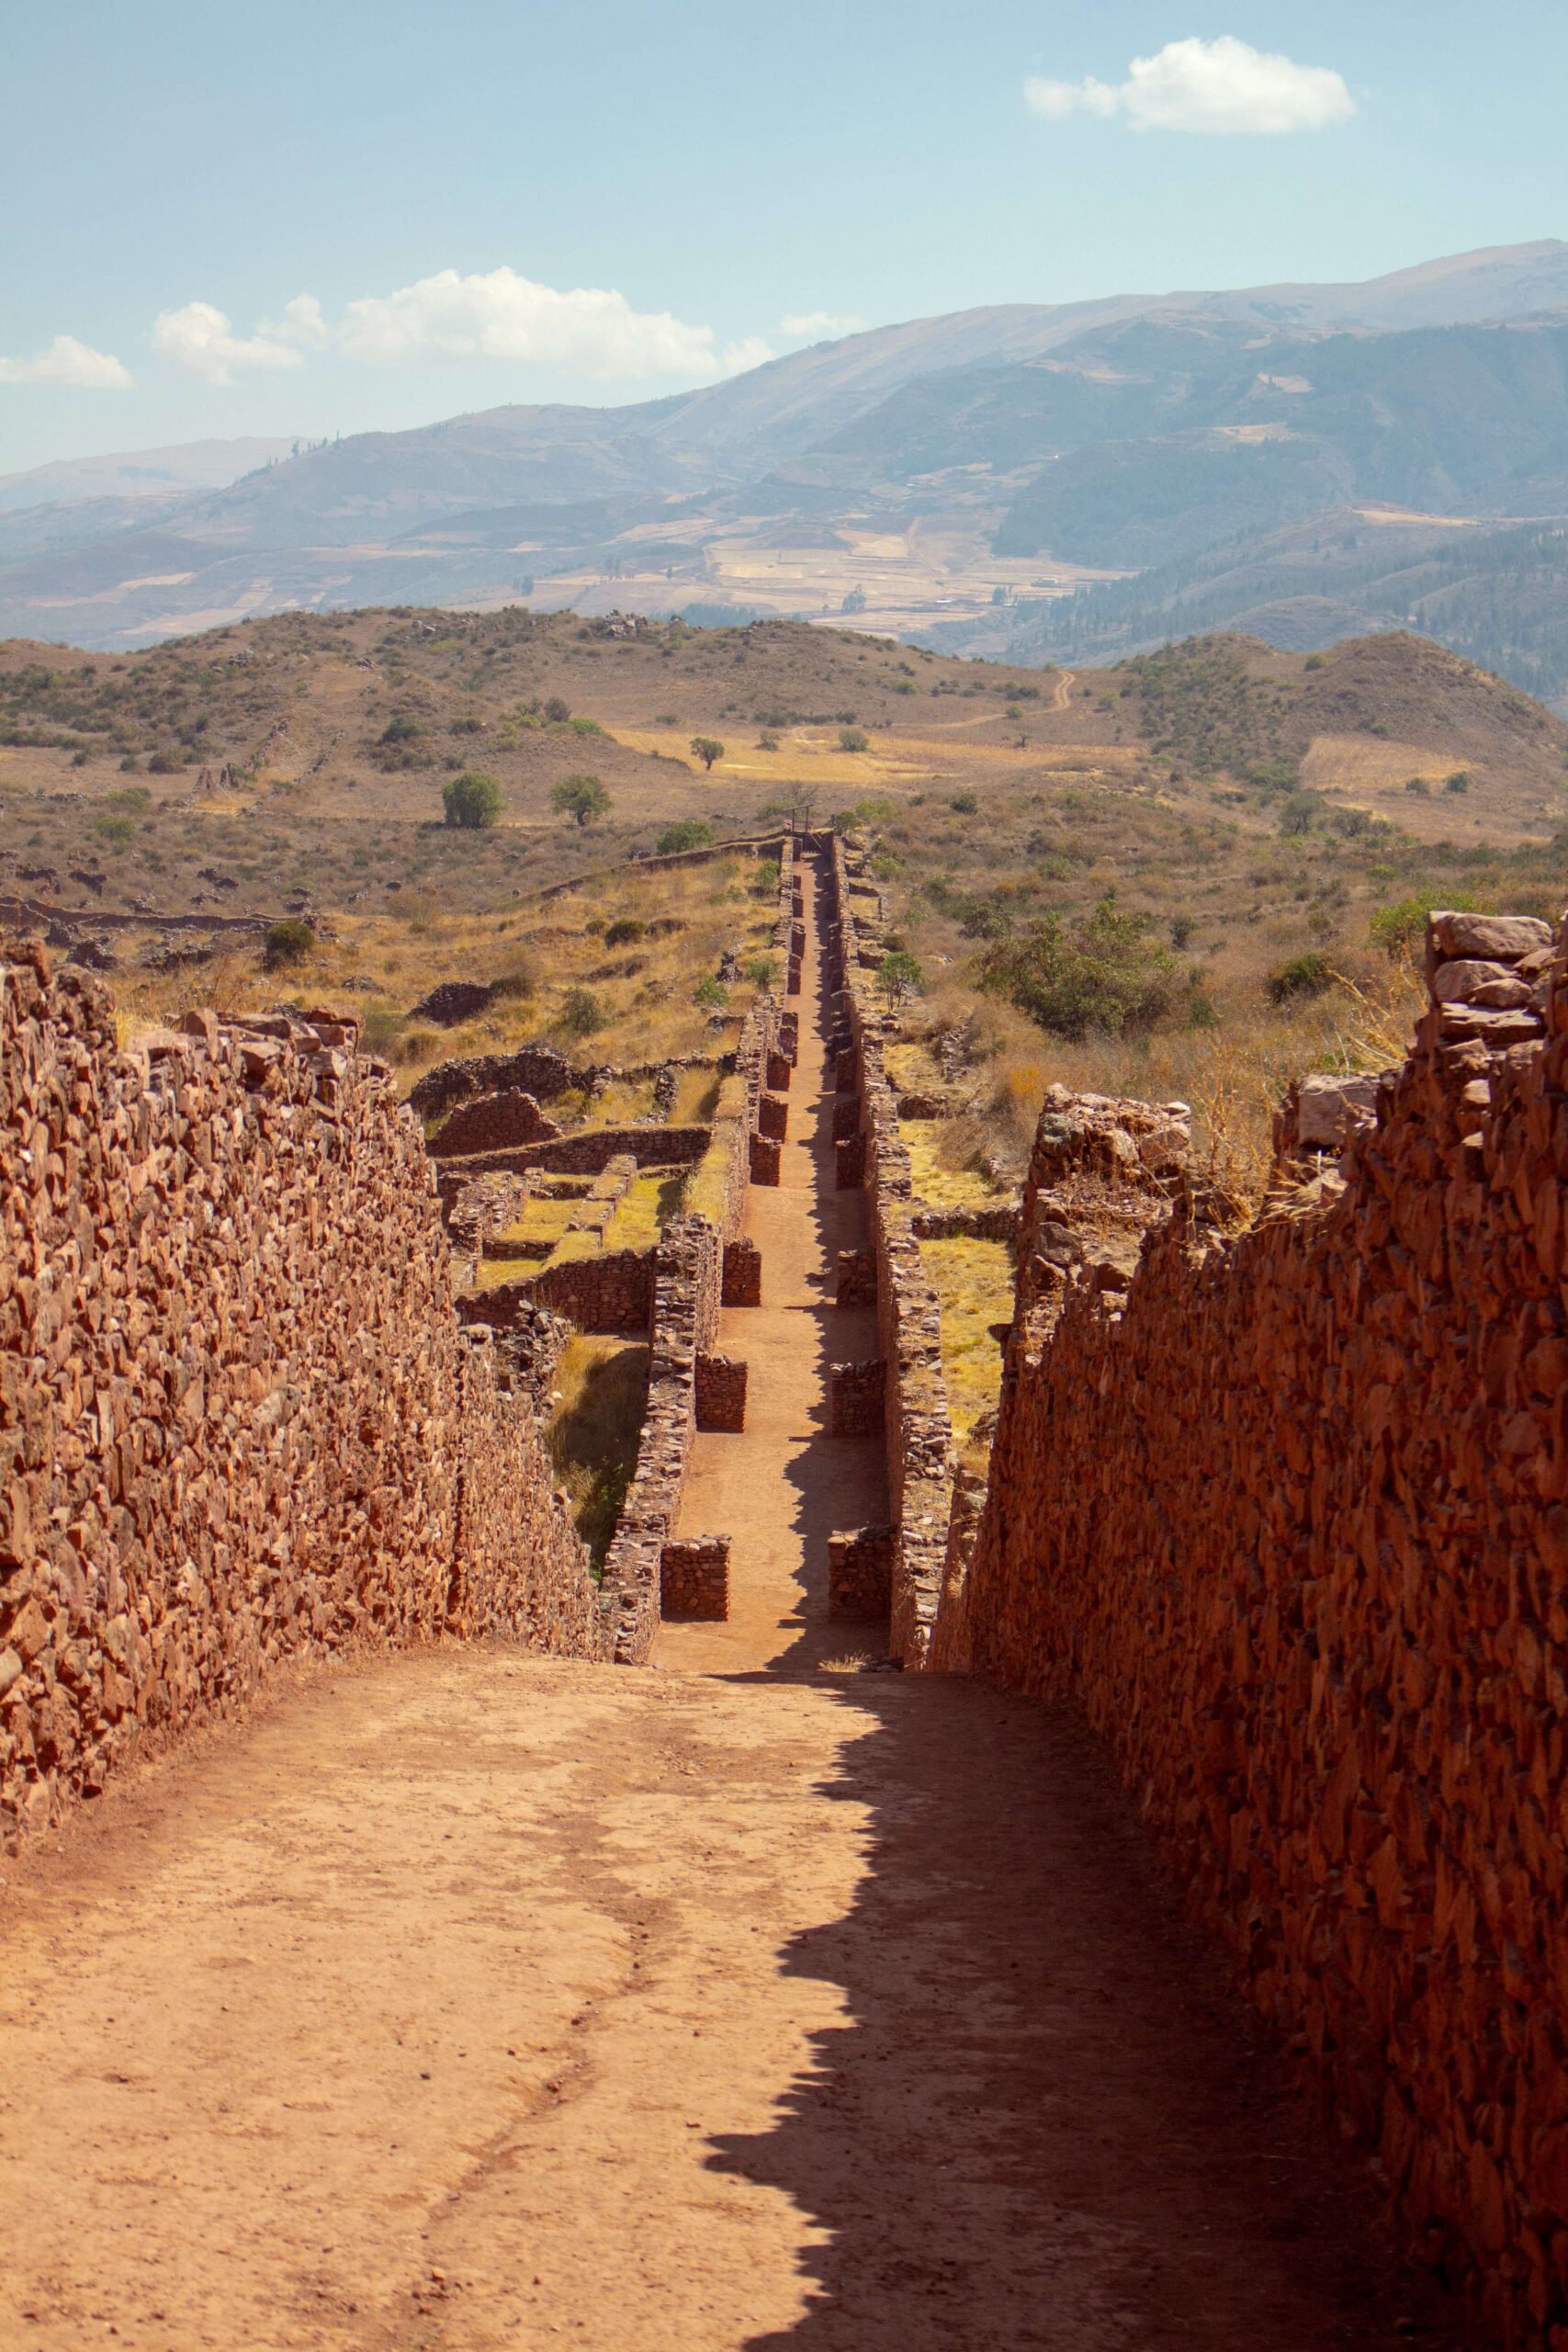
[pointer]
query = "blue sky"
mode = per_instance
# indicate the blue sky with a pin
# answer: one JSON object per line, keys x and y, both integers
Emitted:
{"x": 311, "y": 219}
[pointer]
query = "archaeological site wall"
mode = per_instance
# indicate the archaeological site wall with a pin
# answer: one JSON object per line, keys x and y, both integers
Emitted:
{"x": 916, "y": 1417}
{"x": 1286, "y": 1513}
{"x": 689, "y": 1282}
{"x": 239, "y": 1420}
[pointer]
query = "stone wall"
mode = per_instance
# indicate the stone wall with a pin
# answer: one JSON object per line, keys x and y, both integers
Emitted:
{"x": 860, "y": 1573}
{"x": 694, "y": 1579}
{"x": 1287, "y": 1516}
{"x": 238, "y": 1421}
{"x": 612, "y": 1292}
{"x": 857, "y": 1399}
{"x": 587, "y": 1153}
{"x": 721, "y": 1394}
{"x": 917, "y": 1422}
{"x": 491, "y": 1122}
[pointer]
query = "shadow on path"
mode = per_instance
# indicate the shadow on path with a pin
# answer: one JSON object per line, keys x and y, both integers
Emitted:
{"x": 1049, "y": 2123}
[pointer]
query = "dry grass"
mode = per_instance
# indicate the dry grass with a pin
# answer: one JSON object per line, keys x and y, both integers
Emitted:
{"x": 643, "y": 1213}
{"x": 974, "y": 1282}
{"x": 941, "y": 1156}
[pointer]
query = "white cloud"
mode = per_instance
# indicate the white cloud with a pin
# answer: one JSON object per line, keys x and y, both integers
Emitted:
{"x": 299, "y": 322}
{"x": 750, "y": 351}
{"x": 197, "y": 337}
{"x": 589, "y": 331}
{"x": 1222, "y": 85}
{"x": 66, "y": 361}
{"x": 819, "y": 327}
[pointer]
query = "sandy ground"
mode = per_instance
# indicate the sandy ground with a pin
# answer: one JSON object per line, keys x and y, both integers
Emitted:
{"x": 471, "y": 2000}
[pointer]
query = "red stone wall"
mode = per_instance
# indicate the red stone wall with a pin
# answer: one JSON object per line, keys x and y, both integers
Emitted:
{"x": 860, "y": 1573}
{"x": 238, "y": 1419}
{"x": 694, "y": 1579}
{"x": 491, "y": 1122}
{"x": 611, "y": 1292}
{"x": 1289, "y": 1518}
{"x": 721, "y": 1394}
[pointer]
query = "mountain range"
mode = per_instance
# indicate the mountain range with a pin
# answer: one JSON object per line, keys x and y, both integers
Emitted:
{"x": 1305, "y": 461}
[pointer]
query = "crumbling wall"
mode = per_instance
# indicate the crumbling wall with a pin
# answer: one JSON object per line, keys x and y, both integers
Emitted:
{"x": 238, "y": 1419}
{"x": 1287, "y": 1516}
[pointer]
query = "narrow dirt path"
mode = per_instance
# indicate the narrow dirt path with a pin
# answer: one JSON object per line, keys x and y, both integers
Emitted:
{"x": 782, "y": 1486}
{"x": 473, "y": 2000}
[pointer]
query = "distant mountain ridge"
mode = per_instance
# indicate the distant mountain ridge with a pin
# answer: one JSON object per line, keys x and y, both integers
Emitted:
{"x": 1118, "y": 434}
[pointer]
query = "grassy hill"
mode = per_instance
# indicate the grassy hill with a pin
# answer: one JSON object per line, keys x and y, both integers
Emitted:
{"x": 1239, "y": 810}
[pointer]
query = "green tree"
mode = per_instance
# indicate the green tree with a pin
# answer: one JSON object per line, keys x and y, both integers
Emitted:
{"x": 706, "y": 748}
{"x": 899, "y": 975}
{"x": 581, "y": 796}
{"x": 471, "y": 800}
{"x": 692, "y": 833}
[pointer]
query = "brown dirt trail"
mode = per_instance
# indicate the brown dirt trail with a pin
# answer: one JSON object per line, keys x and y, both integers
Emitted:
{"x": 472, "y": 2000}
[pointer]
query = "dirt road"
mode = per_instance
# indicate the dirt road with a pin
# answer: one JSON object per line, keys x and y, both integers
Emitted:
{"x": 471, "y": 2001}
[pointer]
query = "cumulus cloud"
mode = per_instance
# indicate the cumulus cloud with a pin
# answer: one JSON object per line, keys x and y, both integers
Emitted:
{"x": 819, "y": 327}
{"x": 199, "y": 338}
{"x": 1224, "y": 85}
{"x": 587, "y": 331}
{"x": 66, "y": 361}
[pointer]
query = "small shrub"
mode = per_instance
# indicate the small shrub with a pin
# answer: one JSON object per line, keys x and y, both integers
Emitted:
{"x": 1419, "y": 786}
{"x": 853, "y": 739}
{"x": 1103, "y": 974}
{"x": 623, "y": 931}
{"x": 80, "y": 759}
{"x": 1317, "y": 662}
{"x": 765, "y": 882}
{"x": 467, "y": 725}
{"x": 556, "y": 711}
{"x": 402, "y": 730}
{"x": 691, "y": 833}
{"x": 1457, "y": 782}
{"x": 760, "y": 970}
{"x": 165, "y": 764}
{"x": 1301, "y": 978}
{"x": 964, "y": 803}
{"x": 1181, "y": 930}
{"x": 471, "y": 802}
{"x": 517, "y": 980}
{"x": 767, "y": 740}
{"x": 130, "y": 765}
{"x": 710, "y": 992}
{"x": 134, "y": 795}
{"x": 115, "y": 831}
{"x": 289, "y": 942}
{"x": 581, "y": 1014}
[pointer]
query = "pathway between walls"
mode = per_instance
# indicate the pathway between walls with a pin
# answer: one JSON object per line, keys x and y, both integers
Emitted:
{"x": 477, "y": 2000}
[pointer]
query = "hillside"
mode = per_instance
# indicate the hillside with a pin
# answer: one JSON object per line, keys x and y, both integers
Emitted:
{"x": 1248, "y": 807}
{"x": 923, "y": 478}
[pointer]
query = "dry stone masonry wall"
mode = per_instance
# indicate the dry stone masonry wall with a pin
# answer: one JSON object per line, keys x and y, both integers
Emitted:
{"x": 1287, "y": 1512}
{"x": 916, "y": 1417}
{"x": 238, "y": 1421}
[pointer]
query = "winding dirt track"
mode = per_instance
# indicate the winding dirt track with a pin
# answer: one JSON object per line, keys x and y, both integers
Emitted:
{"x": 471, "y": 2000}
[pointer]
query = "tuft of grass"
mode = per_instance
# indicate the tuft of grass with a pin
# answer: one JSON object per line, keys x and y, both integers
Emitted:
{"x": 974, "y": 1282}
